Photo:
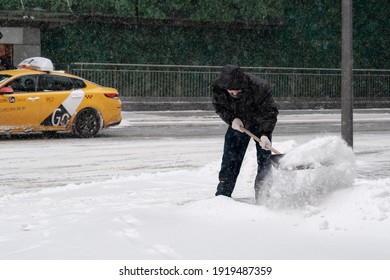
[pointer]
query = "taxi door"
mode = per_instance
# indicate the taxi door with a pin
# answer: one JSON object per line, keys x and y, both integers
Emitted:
{"x": 17, "y": 109}
{"x": 61, "y": 101}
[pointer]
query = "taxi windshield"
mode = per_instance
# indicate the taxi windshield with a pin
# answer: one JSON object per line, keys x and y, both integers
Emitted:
{"x": 3, "y": 78}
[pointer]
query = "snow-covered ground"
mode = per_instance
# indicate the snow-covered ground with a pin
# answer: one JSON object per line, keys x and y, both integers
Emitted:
{"x": 153, "y": 198}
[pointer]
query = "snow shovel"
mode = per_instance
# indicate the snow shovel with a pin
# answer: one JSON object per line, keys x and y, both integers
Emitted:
{"x": 275, "y": 157}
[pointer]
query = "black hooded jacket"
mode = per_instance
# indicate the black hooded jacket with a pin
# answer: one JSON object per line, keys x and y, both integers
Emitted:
{"x": 254, "y": 106}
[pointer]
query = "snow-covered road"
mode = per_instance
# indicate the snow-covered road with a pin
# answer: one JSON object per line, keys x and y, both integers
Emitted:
{"x": 30, "y": 163}
{"x": 143, "y": 197}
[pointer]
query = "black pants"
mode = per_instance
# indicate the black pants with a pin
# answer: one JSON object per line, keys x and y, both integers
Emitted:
{"x": 236, "y": 144}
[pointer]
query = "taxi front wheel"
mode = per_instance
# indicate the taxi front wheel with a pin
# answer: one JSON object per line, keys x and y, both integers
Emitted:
{"x": 86, "y": 123}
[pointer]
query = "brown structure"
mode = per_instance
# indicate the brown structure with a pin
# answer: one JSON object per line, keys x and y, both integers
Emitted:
{"x": 18, "y": 43}
{"x": 20, "y": 32}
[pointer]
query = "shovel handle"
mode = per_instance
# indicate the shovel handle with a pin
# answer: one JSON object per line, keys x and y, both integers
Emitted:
{"x": 269, "y": 147}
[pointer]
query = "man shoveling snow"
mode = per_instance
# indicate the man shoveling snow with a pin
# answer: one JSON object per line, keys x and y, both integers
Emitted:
{"x": 244, "y": 100}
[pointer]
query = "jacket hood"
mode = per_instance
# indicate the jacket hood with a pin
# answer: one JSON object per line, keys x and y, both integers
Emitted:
{"x": 232, "y": 77}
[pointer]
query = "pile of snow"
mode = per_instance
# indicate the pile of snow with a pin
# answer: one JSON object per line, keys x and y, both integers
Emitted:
{"x": 174, "y": 215}
{"x": 309, "y": 171}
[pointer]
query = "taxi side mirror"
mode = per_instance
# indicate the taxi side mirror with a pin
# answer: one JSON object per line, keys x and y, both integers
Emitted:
{"x": 6, "y": 90}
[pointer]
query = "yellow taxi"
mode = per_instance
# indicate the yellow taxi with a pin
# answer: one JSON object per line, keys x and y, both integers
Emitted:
{"x": 35, "y": 98}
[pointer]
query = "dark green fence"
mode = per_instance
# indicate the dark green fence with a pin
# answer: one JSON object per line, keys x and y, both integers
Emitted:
{"x": 183, "y": 81}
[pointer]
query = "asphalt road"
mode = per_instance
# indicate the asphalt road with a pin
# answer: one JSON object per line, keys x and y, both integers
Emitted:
{"x": 203, "y": 124}
{"x": 190, "y": 124}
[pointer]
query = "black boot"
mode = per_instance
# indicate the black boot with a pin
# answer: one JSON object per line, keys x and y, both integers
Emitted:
{"x": 224, "y": 188}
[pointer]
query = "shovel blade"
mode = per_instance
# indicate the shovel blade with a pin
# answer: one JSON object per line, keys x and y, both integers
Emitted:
{"x": 275, "y": 158}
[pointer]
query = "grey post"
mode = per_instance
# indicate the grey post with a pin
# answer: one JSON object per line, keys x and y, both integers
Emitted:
{"x": 346, "y": 73}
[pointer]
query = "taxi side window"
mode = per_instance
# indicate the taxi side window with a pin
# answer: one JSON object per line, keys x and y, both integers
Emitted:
{"x": 24, "y": 84}
{"x": 56, "y": 83}
{"x": 77, "y": 83}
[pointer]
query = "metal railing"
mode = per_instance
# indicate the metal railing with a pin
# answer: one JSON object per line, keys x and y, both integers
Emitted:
{"x": 183, "y": 81}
